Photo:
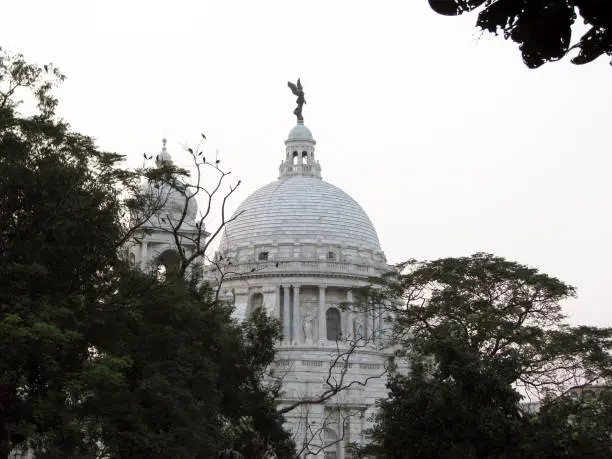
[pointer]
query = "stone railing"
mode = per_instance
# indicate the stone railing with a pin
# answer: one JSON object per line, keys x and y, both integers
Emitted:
{"x": 306, "y": 266}
{"x": 300, "y": 169}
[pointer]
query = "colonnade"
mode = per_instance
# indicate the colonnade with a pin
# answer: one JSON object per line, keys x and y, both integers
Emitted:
{"x": 352, "y": 321}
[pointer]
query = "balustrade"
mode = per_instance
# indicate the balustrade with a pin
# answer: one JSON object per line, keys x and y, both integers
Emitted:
{"x": 304, "y": 266}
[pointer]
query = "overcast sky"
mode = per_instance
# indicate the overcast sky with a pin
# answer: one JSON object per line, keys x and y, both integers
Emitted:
{"x": 450, "y": 144}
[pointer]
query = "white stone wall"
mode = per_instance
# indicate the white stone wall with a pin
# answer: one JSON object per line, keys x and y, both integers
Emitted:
{"x": 304, "y": 365}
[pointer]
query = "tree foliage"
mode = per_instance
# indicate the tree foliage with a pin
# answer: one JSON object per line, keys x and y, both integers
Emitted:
{"x": 99, "y": 359}
{"x": 542, "y": 28}
{"x": 482, "y": 335}
{"x": 189, "y": 374}
{"x": 59, "y": 230}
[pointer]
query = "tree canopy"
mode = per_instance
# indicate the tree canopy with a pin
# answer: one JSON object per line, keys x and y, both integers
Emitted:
{"x": 100, "y": 359}
{"x": 483, "y": 335}
{"x": 543, "y": 29}
{"x": 188, "y": 378}
{"x": 59, "y": 230}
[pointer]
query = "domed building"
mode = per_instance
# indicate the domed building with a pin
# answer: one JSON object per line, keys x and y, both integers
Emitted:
{"x": 168, "y": 207}
{"x": 299, "y": 247}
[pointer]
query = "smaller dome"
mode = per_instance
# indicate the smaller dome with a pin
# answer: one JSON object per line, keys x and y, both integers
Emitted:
{"x": 163, "y": 157}
{"x": 300, "y": 132}
{"x": 170, "y": 198}
{"x": 172, "y": 201}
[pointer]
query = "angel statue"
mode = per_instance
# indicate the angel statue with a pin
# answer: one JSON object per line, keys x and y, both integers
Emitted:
{"x": 299, "y": 92}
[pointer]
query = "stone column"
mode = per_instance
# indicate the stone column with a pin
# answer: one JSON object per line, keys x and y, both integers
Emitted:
{"x": 277, "y": 304}
{"x": 349, "y": 314}
{"x": 322, "y": 324}
{"x": 379, "y": 322}
{"x": 286, "y": 314}
{"x": 296, "y": 314}
{"x": 143, "y": 255}
{"x": 341, "y": 443}
{"x": 376, "y": 321}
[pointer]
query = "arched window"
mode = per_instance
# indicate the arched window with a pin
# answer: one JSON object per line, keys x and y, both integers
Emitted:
{"x": 295, "y": 158}
{"x": 331, "y": 439}
{"x": 304, "y": 157}
{"x": 168, "y": 263}
{"x": 332, "y": 320}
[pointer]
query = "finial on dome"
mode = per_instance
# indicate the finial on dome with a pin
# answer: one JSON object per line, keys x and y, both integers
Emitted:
{"x": 163, "y": 157}
{"x": 297, "y": 90}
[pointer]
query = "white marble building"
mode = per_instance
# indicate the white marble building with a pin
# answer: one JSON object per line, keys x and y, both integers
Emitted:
{"x": 299, "y": 246}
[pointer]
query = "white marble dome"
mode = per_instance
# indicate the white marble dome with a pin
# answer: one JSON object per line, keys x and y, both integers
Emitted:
{"x": 301, "y": 209}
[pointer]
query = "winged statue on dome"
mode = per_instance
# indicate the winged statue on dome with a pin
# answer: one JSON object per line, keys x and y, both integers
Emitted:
{"x": 299, "y": 92}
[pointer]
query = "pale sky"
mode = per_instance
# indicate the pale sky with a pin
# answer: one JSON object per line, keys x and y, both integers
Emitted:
{"x": 450, "y": 144}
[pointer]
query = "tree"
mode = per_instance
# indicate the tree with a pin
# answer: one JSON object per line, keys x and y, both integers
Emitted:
{"x": 572, "y": 427}
{"x": 165, "y": 400}
{"x": 542, "y": 28}
{"x": 432, "y": 416}
{"x": 481, "y": 333}
{"x": 60, "y": 230}
{"x": 99, "y": 359}
{"x": 189, "y": 375}
{"x": 250, "y": 423}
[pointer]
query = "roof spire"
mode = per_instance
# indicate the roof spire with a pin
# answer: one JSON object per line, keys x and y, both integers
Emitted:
{"x": 300, "y": 145}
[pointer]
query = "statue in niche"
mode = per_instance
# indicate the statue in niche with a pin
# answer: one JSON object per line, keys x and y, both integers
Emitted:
{"x": 297, "y": 90}
{"x": 308, "y": 326}
{"x": 358, "y": 327}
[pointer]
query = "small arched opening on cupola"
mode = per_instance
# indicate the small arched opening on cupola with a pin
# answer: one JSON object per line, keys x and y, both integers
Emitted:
{"x": 304, "y": 157}
{"x": 296, "y": 158}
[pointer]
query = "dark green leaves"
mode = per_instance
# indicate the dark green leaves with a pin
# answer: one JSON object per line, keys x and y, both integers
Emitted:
{"x": 454, "y": 7}
{"x": 542, "y": 28}
{"x": 100, "y": 360}
{"x": 482, "y": 334}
